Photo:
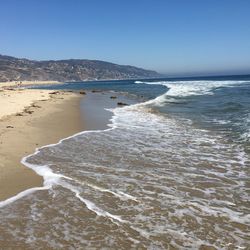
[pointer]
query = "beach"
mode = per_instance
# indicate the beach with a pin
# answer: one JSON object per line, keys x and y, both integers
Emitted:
{"x": 125, "y": 125}
{"x": 146, "y": 170}
{"x": 30, "y": 119}
{"x": 11, "y": 84}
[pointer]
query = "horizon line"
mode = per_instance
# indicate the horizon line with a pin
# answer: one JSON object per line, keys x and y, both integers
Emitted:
{"x": 164, "y": 74}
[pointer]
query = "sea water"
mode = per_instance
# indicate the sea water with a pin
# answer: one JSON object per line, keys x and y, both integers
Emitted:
{"x": 169, "y": 172}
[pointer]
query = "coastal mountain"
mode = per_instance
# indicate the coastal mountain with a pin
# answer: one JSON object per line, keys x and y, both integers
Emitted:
{"x": 15, "y": 69}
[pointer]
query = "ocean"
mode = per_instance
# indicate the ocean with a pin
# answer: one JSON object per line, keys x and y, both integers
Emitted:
{"x": 170, "y": 171}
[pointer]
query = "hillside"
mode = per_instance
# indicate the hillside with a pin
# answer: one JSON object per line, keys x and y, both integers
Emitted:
{"x": 15, "y": 69}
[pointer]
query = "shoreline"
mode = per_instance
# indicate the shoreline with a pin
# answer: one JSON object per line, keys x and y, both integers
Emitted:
{"x": 35, "y": 118}
{"x": 35, "y": 122}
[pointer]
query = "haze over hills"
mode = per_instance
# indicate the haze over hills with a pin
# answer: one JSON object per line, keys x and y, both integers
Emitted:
{"x": 16, "y": 69}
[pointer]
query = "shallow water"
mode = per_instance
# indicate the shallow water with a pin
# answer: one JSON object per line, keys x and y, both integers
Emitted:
{"x": 169, "y": 173}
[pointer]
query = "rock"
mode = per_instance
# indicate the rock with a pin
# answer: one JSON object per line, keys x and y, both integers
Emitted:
{"x": 54, "y": 93}
{"x": 122, "y": 104}
{"x": 35, "y": 106}
{"x": 113, "y": 97}
{"x": 82, "y": 92}
{"x": 9, "y": 127}
{"x": 28, "y": 111}
{"x": 96, "y": 91}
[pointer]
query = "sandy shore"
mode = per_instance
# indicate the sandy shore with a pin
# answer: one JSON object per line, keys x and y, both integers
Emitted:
{"x": 26, "y": 83}
{"x": 30, "y": 119}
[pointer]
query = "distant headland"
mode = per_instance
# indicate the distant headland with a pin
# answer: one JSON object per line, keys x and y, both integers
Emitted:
{"x": 20, "y": 69}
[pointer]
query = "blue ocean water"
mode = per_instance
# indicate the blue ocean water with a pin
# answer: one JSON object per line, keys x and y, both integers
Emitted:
{"x": 218, "y": 103}
{"x": 170, "y": 172}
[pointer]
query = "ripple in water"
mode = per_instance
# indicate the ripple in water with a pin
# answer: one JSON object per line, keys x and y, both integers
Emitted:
{"x": 151, "y": 181}
{"x": 154, "y": 182}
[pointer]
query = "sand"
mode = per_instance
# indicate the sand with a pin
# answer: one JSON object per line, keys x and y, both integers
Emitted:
{"x": 15, "y": 101}
{"x": 26, "y": 83}
{"x": 31, "y": 119}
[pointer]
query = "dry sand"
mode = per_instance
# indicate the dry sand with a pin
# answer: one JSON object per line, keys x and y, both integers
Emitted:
{"x": 26, "y": 83}
{"x": 31, "y": 119}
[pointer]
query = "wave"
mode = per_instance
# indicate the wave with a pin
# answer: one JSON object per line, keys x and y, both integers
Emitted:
{"x": 49, "y": 177}
{"x": 246, "y": 127}
{"x": 142, "y": 154}
{"x": 188, "y": 88}
{"x": 123, "y": 117}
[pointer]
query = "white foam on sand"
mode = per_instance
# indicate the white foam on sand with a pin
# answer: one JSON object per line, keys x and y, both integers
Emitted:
{"x": 90, "y": 205}
{"x": 21, "y": 195}
{"x": 50, "y": 178}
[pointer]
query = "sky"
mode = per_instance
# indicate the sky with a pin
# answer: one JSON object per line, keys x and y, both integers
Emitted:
{"x": 174, "y": 37}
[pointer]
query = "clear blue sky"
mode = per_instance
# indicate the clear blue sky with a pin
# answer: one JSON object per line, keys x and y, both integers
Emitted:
{"x": 170, "y": 36}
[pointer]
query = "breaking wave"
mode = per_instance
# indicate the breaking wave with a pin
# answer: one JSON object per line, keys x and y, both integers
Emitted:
{"x": 148, "y": 181}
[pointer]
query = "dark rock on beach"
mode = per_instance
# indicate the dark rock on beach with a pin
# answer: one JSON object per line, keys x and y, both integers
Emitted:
{"x": 54, "y": 93}
{"x": 96, "y": 91}
{"x": 122, "y": 104}
{"x": 9, "y": 127}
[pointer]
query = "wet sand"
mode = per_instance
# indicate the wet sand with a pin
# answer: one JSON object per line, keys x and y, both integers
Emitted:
{"x": 41, "y": 117}
{"x": 45, "y": 121}
{"x": 94, "y": 108}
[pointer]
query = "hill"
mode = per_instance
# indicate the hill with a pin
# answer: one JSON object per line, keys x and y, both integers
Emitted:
{"x": 15, "y": 69}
